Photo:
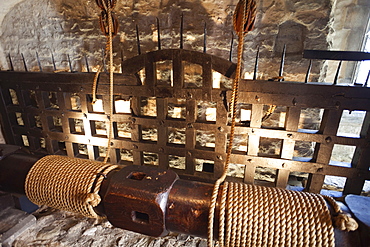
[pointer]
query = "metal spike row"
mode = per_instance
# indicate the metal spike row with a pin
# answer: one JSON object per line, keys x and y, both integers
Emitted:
{"x": 367, "y": 79}
{"x": 256, "y": 64}
{"x": 38, "y": 61}
{"x": 159, "y": 34}
{"x": 308, "y": 72}
{"x": 24, "y": 63}
{"x": 337, "y": 73}
{"x": 138, "y": 40}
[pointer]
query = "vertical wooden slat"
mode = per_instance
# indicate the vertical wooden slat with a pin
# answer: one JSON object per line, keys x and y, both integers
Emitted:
{"x": 136, "y": 131}
{"x": 287, "y": 147}
{"x": 220, "y": 139}
{"x": 162, "y": 106}
{"x": 190, "y": 132}
{"x": 329, "y": 126}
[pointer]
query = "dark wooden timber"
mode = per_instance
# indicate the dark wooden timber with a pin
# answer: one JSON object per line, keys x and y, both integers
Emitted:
{"x": 336, "y": 55}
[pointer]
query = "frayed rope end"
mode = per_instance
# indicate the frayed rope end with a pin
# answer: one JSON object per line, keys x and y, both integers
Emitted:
{"x": 345, "y": 222}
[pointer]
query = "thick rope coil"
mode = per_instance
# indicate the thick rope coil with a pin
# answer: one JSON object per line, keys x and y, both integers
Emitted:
{"x": 65, "y": 183}
{"x": 265, "y": 216}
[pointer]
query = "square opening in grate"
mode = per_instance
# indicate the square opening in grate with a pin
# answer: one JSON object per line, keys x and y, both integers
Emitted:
{"x": 75, "y": 102}
{"x": 236, "y": 170}
{"x": 270, "y": 147}
{"x": 202, "y": 165}
{"x": 206, "y": 111}
{"x": 30, "y": 98}
{"x": 100, "y": 152}
{"x": 240, "y": 143}
{"x": 273, "y": 117}
{"x": 176, "y": 135}
{"x": 76, "y": 126}
{"x": 265, "y": 174}
{"x": 13, "y": 96}
{"x": 148, "y": 106}
{"x": 176, "y": 108}
{"x": 97, "y": 106}
{"x": 80, "y": 150}
{"x": 366, "y": 188}
{"x": 342, "y": 155}
{"x": 50, "y": 100}
{"x": 351, "y": 123}
{"x": 150, "y": 158}
{"x": 122, "y": 106}
{"x": 221, "y": 81}
{"x": 243, "y": 114}
{"x": 149, "y": 133}
{"x": 37, "y": 121}
{"x": 42, "y": 143}
{"x": 297, "y": 180}
{"x": 98, "y": 128}
{"x": 164, "y": 73}
{"x": 310, "y": 120}
{"x": 176, "y": 162}
{"x": 205, "y": 139}
{"x": 55, "y": 123}
{"x": 303, "y": 151}
{"x": 126, "y": 155}
{"x": 333, "y": 186}
{"x": 19, "y": 118}
{"x": 59, "y": 147}
{"x": 123, "y": 129}
{"x": 193, "y": 75}
{"x": 25, "y": 141}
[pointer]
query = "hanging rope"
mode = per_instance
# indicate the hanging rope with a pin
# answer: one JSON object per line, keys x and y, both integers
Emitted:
{"x": 66, "y": 183}
{"x": 243, "y": 20}
{"x": 109, "y": 26}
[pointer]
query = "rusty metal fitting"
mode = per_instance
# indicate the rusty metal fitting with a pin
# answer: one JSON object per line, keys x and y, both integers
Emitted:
{"x": 136, "y": 199}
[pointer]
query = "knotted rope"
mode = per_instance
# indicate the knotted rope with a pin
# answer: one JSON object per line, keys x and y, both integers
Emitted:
{"x": 66, "y": 183}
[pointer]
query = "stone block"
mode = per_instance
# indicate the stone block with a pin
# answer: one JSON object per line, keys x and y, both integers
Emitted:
{"x": 9, "y": 236}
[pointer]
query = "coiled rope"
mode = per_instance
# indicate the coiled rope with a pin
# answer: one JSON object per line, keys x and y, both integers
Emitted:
{"x": 66, "y": 183}
{"x": 256, "y": 216}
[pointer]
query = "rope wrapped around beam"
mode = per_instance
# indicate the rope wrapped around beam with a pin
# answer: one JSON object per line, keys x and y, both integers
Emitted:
{"x": 66, "y": 183}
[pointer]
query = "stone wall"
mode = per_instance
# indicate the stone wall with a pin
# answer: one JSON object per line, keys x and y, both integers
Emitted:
{"x": 71, "y": 27}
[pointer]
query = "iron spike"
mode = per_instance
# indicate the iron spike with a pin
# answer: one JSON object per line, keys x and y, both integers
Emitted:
{"x": 159, "y": 34}
{"x": 10, "y": 63}
{"x": 205, "y": 38}
{"x": 281, "y": 71}
{"x": 121, "y": 60}
{"x": 138, "y": 40}
{"x": 104, "y": 65}
{"x": 53, "y": 60}
{"x": 70, "y": 64}
{"x": 38, "y": 61}
{"x": 181, "y": 31}
{"x": 337, "y": 73}
{"x": 87, "y": 64}
{"x": 367, "y": 79}
{"x": 24, "y": 63}
{"x": 256, "y": 64}
{"x": 231, "y": 46}
{"x": 308, "y": 72}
